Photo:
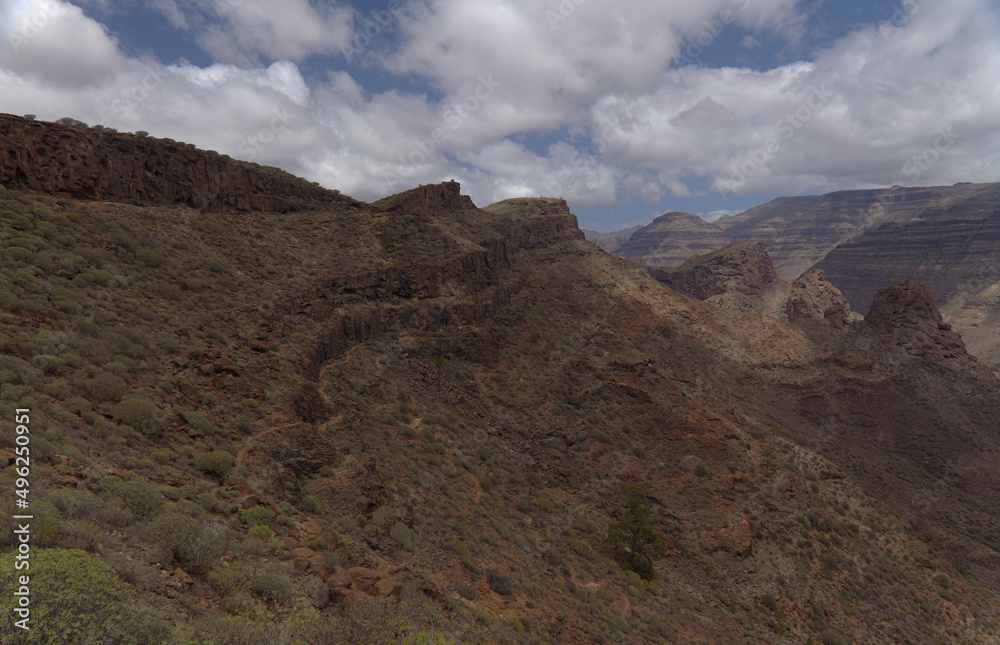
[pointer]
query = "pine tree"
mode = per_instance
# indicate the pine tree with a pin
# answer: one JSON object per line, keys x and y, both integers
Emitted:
{"x": 634, "y": 537}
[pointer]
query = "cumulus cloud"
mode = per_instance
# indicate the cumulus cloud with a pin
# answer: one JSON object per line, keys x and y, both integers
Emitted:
{"x": 247, "y": 32}
{"x": 912, "y": 100}
{"x": 55, "y": 44}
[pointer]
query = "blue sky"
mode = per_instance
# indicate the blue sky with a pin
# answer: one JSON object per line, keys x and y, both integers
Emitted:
{"x": 627, "y": 110}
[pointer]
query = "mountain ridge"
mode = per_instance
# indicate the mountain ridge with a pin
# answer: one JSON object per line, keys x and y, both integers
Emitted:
{"x": 430, "y": 410}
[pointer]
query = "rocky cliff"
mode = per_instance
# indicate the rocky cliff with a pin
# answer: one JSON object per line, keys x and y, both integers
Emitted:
{"x": 673, "y": 238}
{"x": 905, "y": 317}
{"x": 812, "y": 297}
{"x": 741, "y": 277}
{"x": 951, "y": 256}
{"x": 800, "y": 231}
{"x": 610, "y": 242}
{"x": 100, "y": 164}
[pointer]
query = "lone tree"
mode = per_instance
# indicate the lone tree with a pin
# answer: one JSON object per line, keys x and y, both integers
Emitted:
{"x": 633, "y": 536}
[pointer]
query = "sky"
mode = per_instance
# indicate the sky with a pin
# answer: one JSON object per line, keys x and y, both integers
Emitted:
{"x": 625, "y": 109}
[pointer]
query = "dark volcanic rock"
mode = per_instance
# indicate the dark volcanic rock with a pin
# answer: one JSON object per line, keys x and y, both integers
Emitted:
{"x": 101, "y": 164}
{"x": 812, "y": 297}
{"x": 949, "y": 256}
{"x": 673, "y": 238}
{"x": 740, "y": 267}
{"x": 905, "y": 317}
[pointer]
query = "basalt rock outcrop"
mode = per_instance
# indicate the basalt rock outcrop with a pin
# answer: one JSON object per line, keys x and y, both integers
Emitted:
{"x": 101, "y": 164}
{"x": 905, "y": 318}
{"x": 953, "y": 257}
{"x": 801, "y": 231}
{"x": 812, "y": 297}
{"x": 740, "y": 276}
{"x": 670, "y": 239}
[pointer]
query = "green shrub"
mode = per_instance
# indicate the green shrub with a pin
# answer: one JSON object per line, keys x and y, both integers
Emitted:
{"x": 467, "y": 590}
{"x": 210, "y": 503}
{"x": 194, "y": 545}
{"x": 244, "y": 422}
{"x": 77, "y": 598}
{"x": 226, "y": 581}
{"x": 149, "y": 257}
{"x": 273, "y": 588}
{"x": 140, "y": 414}
{"x": 18, "y": 370}
{"x": 141, "y": 497}
{"x": 311, "y": 504}
{"x": 499, "y": 583}
{"x": 403, "y": 535}
{"x": 195, "y": 419}
{"x": 583, "y": 549}
{"x": 942, "y": 580}
{"x": 258, "y": 516}
{"x": 382, "y": 516}
{"x": 71, "y": 307}
{"x": 48, "y": 363}
{"x": 217, "y": 462}
{"x": 830, "y": 637}
{"x": 83, "y": 535}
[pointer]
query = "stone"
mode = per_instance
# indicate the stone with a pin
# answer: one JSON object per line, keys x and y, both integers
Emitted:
{"x": 387, "y": 587}
{"x": 183, "y": 577}
{"x": 318, "y": 593}
{"x": 340, "y": 578}
{"x": 363, "y": 577}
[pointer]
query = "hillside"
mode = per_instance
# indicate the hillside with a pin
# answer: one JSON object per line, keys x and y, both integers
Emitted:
{"x": 412, "y": 421}
{"x": 800, "y": 231}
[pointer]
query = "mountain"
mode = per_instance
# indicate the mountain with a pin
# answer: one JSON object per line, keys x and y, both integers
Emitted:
{"x": 671, "y": 239}
{"x": 610, "y": 242}
{"x": 800, "y": 231}
{"x": 945, "y": 237}
{"x": 414, "y": 421}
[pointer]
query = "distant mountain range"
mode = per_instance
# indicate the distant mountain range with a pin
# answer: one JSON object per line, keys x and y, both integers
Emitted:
{"x": 946, "y": 237}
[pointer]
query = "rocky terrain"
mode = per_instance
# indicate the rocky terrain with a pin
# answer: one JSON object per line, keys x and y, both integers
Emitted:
{"x": 671, "y": 239}
{"x": 741, "y": 277}
{"x": 945, "y": 237}
{"x": 610, "y": 242}
{"x": 413, "y": 421}
{"x": 101, "y": 164}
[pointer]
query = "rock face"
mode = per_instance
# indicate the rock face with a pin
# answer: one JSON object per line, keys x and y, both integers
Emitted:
{"x": 953, "y": 257}
{"x": 101, "y": 164}
{"x": 812, "y": 297}
{"x": 741, "y": 276}
{"x": 673, "y": 238}
{"x": 610, "y": 242}
{"x": 431, "y": 198}
{"x": 905, "y": 317}
{"x": 738, "y": 269}
{"x": 800, "y": 231}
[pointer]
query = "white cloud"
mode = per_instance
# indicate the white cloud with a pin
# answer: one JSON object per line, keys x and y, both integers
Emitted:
{"x": 56, "y": 44}
{"x": 872, "y": 109}
{"x": 245, "y": 32}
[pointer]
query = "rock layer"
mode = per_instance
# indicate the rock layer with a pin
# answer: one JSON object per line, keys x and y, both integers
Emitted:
{"x": 101, "y": 164}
